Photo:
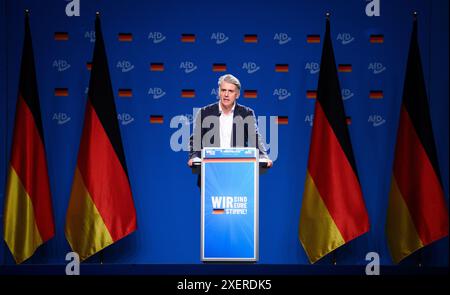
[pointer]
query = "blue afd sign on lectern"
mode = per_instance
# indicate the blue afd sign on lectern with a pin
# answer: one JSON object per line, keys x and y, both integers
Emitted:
{"x": 229, "y": 225}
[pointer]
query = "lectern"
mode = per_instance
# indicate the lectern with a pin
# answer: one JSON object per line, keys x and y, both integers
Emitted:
{"x": 229, "y": 204}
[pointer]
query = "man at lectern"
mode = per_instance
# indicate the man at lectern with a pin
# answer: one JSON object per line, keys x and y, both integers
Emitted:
{"x": 226, "y": 123}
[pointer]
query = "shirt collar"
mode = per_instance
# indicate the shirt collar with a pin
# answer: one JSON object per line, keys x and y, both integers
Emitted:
{"x": 232, "y": 109}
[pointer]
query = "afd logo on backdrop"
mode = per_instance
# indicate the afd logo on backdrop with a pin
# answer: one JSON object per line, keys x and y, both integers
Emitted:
{"x": 61, "y": 65}
{"x": 125, "y": 66}
{"x": 282, "y": 38}
{"x": 345, "y": 38}
{"x": 347, "y": 94}
{"x": 156, "y": 37}
{"x": 156, "y": 92}
{"x": 376, "y": 120}
{"x": 125, "y": 118}
{"x": 61, "y": 118}
{"x": 376, "y": 67}
{"x": 373, "y": 8}
{"x": 281, "y": 93}
{"x": 73, "y": 8}
{"x": 250, "y": 67}
{"x": 90, "y": 35}
{"x": 219, "y": 37}
{"x": 312, "y": 67}
{"x": 188, "y": 66}
{"x": 309, "y": 119}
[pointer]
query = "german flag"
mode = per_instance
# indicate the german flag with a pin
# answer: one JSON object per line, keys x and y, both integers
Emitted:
{"x": 376, "y": 38}
{"x": 61, "y": 92}
{"x": 345, "y": 68}
{"x": 218, "y": 211}
{"x": 311, "y": 94}
{"x": 101, "y": 209}
{"x": 313, "y": 39}
{"x": 219, "y": 67}
{"x": 333, "y": 210}
{"x": 89, "y": 66}
{"x": 282, "y": 68}
{"x": 282, "y": 120}
{"x": 156, "y": 119}
{"x": 250, "y": 38}
{"x": 125, "y": 92}
{"x": 125, "y": 37}
{"x": 376, "y": 94}
{"x": 417, "y": 213}
{"x": 188, "y": 93}
{"x": 188, "y": 38}
{"x": 28, "y": 213}
{"x": 61, "y": 36}
{"x": 157, "y": 67}
{"x": 250, "y": 93}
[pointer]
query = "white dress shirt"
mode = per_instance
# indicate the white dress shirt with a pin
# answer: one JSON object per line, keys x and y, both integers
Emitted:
{"x": 226, "y": 127}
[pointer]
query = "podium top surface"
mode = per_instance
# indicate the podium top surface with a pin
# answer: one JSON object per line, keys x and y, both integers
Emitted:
{"x": 225, "y": 153}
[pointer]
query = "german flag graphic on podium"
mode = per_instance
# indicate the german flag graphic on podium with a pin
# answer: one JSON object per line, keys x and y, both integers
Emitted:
{"x": 28, "y": 214}
{"x": 417, "y": 212}
{"x": 333, "y": 210}
{"x": 101, "y": 209}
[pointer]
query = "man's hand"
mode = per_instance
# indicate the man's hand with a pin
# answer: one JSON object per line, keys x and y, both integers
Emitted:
{"x": 190, "y": 162}
{"x": 269, "y": 163}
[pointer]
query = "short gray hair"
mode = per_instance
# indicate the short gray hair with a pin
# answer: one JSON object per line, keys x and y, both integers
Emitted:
{"x": 230, "y": 79}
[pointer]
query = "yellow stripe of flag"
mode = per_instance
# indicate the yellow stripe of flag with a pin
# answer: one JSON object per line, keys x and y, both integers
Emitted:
{"x": 318, "y": 233}
{"x": 20, "y": 229}
{"x": 86, "y": 231}
{"x": 400, "y": 224}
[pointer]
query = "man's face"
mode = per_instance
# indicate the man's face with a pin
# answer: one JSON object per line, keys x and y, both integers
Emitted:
{"x": 228, "y": 94}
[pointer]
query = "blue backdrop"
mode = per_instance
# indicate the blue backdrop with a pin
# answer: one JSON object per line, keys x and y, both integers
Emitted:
{"x": 164, "y": 189}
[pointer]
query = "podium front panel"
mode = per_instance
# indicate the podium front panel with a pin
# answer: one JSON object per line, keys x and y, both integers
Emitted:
{"x": 229, "y": 225}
